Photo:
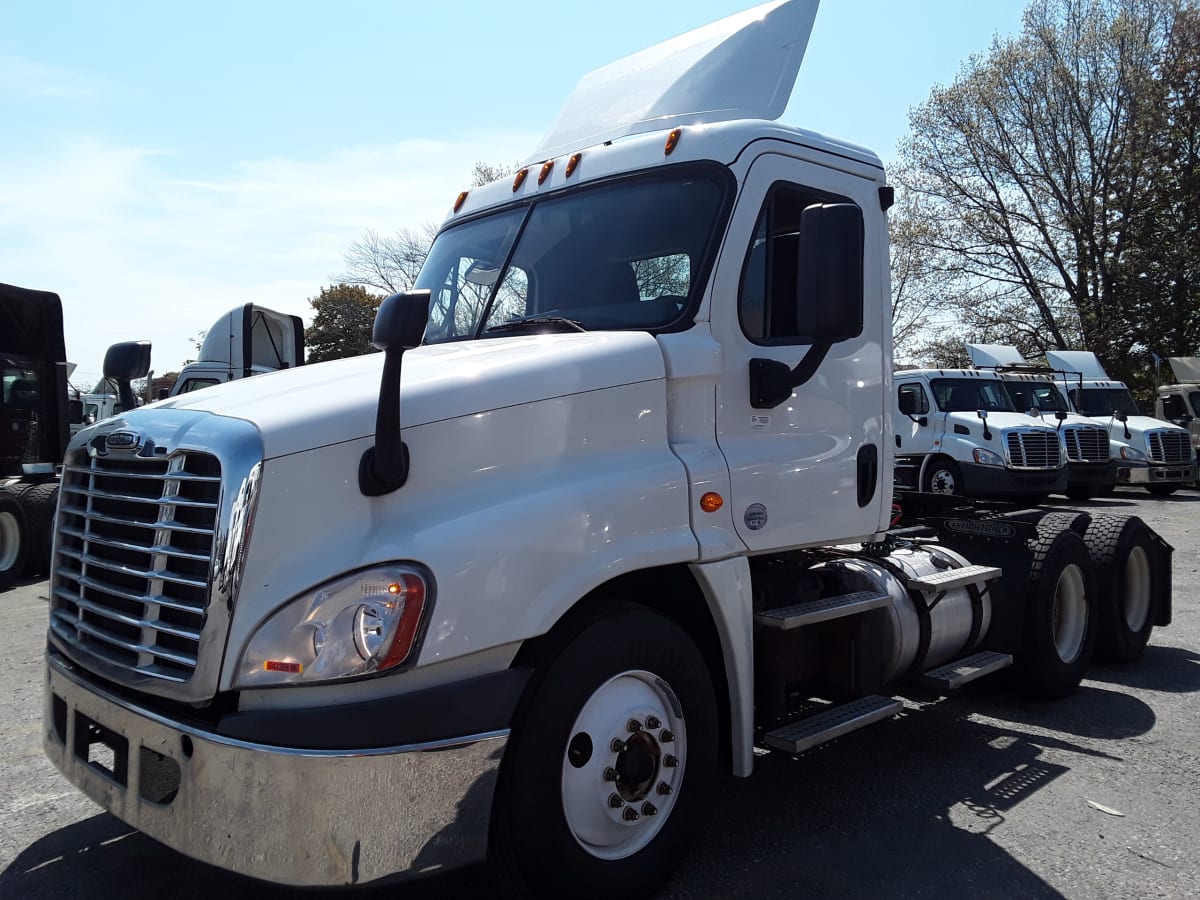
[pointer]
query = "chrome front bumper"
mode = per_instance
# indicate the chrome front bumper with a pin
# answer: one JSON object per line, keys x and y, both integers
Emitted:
{"x": 290, "y": 816}
{"x": 1157, "y": 473}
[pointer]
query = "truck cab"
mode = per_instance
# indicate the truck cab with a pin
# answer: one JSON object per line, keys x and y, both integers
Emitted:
{"x": 1093, "y": 459}
{"x": 959, "y": 431}
{"x": 1170, "y": 457}
{"x": 248, "y": 340}
{"x": 1179, "y": 403}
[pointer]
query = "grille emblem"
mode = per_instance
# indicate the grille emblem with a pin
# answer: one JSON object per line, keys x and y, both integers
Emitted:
{"x": 122, "y": 440}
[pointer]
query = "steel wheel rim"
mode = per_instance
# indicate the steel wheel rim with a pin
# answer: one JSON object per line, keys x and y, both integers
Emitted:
{"x": 1070, "y": 614}
{"x": 10, "y": 541}
{"x": 1135, "y": 599}
{"x": 645, "y": 777}
{"x": 942, "y": 482}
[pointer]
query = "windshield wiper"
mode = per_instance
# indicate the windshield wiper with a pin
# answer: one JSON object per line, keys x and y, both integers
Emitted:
{"x": 534, "y": 321}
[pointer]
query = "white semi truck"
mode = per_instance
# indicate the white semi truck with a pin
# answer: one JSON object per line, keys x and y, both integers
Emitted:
{"x": 1179, "y": 403}
{"x": 1094, "y": 460}
{"x": 958, "y": 431}
{"x": 1170, "y": 457}
{"x": 611, "y": 512}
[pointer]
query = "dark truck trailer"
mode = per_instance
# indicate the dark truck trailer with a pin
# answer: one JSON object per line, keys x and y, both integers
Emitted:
{"x": 33, "y": 426}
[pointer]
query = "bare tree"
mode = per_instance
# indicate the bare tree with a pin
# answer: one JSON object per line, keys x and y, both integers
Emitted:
{"x": 1032, "y": 166}
{"x": 387, "y": 264}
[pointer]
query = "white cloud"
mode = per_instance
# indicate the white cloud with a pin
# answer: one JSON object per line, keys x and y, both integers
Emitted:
{"x": 138, "y": 250}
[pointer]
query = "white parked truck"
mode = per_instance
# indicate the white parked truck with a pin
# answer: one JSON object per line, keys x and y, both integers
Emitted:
{"x": 1170, "y": 457}
{"x": 957, "y": 431}
{"x": 611, "y": 512}
{"x": 248, "y": 340}
{"x": 1179, "y": 403}
{"x": 1094, "y": 460}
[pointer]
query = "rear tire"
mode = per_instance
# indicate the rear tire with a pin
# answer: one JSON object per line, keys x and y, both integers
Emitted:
{"x": 1123, "y": 549}
{"x": 572, "y": 815}
{"x": 1162, "y": 490}
{"x": 14, "y": 544}
{"x": 1060, "y": 614}
{"x": 40, "y": 502}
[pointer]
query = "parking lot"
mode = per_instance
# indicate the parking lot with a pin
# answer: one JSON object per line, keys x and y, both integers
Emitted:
{"x": 980, "y": 793}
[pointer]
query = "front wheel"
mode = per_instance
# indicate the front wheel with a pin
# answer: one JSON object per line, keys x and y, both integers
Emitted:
{"x": 14, "y": 543}
{"x": 1162, "y": 490}
{"x": 609, "y": 764}
{"x": 943, "y": 477}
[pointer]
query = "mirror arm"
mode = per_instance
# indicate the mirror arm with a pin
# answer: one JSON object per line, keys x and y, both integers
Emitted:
{"x": 384, "y": 467}
{"x": 772, "y": 382}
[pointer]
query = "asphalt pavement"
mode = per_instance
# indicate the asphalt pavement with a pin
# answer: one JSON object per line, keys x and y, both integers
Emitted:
{"x": 979, "y": 793}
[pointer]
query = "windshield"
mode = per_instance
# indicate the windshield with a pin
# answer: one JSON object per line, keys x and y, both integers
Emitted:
{"x": 1041, "y": 395}
{"x": 971, "y": 395}
{"x": 1104, "y": 401}
{"x": 627, "y": 255}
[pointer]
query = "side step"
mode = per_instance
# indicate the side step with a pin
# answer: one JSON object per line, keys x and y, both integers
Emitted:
{"x": 788, "y": 617}
{"x": 949, "y": 579}
{"x": 963, "y": 671}
{"x": 796, "y": 737}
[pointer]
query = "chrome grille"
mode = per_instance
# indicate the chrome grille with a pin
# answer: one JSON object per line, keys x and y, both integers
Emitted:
{"x": 1086, "y": 443}
{"x": 132, "y": 561}
{"x": 1033, "y": 449}
{"x": 1169, "y": 447}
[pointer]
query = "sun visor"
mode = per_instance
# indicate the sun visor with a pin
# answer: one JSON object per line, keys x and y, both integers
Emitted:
{"x": 741, "y": 67}
{"x": 1082, "y": 361}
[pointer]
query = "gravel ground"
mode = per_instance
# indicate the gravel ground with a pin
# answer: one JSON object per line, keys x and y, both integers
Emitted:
{"x": 979, "y": 793}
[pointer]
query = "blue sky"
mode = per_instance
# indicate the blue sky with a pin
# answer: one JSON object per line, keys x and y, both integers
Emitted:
{"x": 161, "y": 163}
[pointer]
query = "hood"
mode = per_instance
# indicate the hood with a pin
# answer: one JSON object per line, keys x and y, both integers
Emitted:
{"x": 1137, "y": 425}
{"x": 1002, "y": 421}
{"x": 328, "y": 403}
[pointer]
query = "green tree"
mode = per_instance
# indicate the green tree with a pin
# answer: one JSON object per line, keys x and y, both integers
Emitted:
{"x": 343, "y": 315}
{"x": 1033, "y": 167}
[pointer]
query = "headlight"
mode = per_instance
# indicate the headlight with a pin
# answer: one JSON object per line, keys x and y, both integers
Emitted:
{"x": 362, "y": 623}
{"x": 987, "y": 457}
{"x": 1132, "y": 453}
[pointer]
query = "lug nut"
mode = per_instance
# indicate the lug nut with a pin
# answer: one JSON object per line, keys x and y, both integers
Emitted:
{"x": 610, "y": 774}
{"x": 652, "y": 722}
{"x": 663, "y": 789}
{"x": 617, "y": 745}
{"x": 615, "y": 801}
{"x": 649, "y": 809}
{"x": 670, "y": 761}
{"x": 630, "y": 814}
{"x": 667, "y": 736}
{"x": 633, "y": 726}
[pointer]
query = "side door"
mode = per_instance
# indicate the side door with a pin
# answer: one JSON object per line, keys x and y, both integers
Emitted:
{"x": 812, "y": 468}
{"x": 913, "y": 408}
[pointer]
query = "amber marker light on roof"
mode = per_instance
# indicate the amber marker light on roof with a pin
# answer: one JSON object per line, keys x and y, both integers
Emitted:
{"x": 519, "y": 179}
{"x": 462, "y": 198}
{"x": 672, "y": 140}
{"x": 711, "y": 502}
{"x": 573, "y": 163}
{"x": 547, "y": 168}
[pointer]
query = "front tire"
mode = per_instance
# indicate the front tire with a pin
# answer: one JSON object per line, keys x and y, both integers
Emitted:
{"x": 943, "y": 477}
{"x": 609, "y": 764}
{"x": 1162, "y": 490}
{"x": 1081, "y": 491}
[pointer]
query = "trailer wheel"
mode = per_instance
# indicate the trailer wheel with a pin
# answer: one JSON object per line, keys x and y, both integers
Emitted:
{"x": 13, "y": 544}
{"x": 943, "y": 477}
{"x": 40, "y": 502}
{"x": 1162, "y": 490}
{"x": 1060, "y": 614}
{"x": 1122, "y": 548}
{"x": 609, "y": 763}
